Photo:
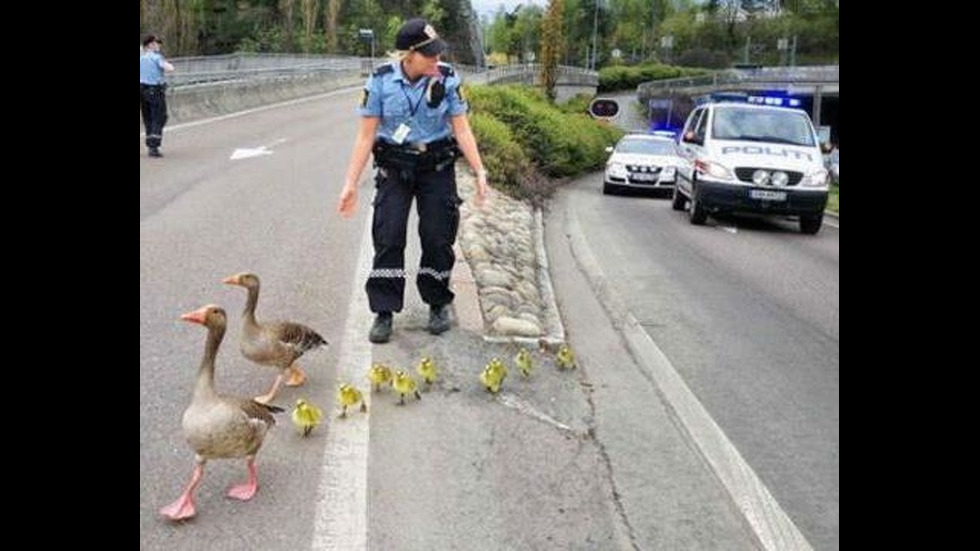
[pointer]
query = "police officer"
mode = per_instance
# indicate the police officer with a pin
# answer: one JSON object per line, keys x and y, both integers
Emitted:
{"x": 153, "y": 88}
{"x": 413, "y": 118}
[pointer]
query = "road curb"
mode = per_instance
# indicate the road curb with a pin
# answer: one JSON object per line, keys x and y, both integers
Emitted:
{"x": 554, "y": 329}
{"x": 763, "y": 515}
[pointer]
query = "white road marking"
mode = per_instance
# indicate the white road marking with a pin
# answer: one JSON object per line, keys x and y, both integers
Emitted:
{"x": 831, "y": 224}
{"x": 245, "y": 153}
{"x": 248, "y": 152}
{"x": 526, "y": 408}
{"x": 771, "y": 525}
{"x": 729, "y": 229}
{"x": 341, "y": 508}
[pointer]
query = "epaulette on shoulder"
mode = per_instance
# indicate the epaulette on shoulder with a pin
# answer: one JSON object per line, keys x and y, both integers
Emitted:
{"x": 446, "y": 70}
{"x": 383, "y": 70}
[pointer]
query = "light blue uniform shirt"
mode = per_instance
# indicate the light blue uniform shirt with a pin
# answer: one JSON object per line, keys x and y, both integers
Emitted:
{"x": 151, "y": 68}
{"x": 388, "y": 94}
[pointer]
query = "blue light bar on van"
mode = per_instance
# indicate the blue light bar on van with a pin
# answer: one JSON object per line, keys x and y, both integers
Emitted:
{"x": 777, "y": 101}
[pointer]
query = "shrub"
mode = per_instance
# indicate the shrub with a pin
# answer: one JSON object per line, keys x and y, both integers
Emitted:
{"x": 559, "y": 144}
{"x": 628, "y": 78}
{"x": 503, "y": 158}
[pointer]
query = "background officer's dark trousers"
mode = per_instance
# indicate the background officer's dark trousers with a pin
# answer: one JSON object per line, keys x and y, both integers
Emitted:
{"x": 153, "y": 107}
{"x": 438, "y": 207}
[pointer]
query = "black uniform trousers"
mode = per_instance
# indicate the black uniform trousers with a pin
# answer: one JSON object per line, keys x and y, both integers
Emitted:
{"x": 153, "y": 107}
{"x": 437, "y": 203}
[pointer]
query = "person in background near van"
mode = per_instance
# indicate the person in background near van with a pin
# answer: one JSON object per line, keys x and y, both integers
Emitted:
{"x": 153, "y": 93}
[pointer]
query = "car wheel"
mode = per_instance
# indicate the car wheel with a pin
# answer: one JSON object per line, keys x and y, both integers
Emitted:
{"x": 696, "y": 213}
{"x": 810, "y": 224}
{"x": 678, "y": 199}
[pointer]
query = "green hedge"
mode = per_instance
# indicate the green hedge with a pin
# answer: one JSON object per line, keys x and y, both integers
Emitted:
{"x": 558, "y": 144}
{"x": 503, "y": 158}
{"x": 628, "y": 78}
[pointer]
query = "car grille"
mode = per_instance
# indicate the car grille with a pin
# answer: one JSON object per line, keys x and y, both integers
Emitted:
{"x": 643, "y": 169}
{"x": 745, "y": 174}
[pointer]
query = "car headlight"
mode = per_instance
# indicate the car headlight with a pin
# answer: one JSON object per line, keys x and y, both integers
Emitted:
{"x": 714, "y": 170}
{"x": 817, "y": 178}
{"x": 616, "y": 170}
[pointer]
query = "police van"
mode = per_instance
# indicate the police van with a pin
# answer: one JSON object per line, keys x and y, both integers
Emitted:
{"x": 751, "y": 157}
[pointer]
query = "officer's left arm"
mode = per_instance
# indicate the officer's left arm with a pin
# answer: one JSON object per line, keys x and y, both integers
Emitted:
{"x": 467, "y": 144}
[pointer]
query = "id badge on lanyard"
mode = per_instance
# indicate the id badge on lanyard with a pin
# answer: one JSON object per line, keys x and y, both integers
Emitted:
{"x": 401, "y": 133}
{"x": 404, "y": 128}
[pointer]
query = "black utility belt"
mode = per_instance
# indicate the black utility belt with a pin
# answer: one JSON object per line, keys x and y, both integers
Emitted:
{"x": 416, "y": 148}
{"x": 415, "y": 155}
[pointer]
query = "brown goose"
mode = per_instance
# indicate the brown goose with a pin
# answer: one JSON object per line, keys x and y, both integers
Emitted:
{"x": 275, "y": 344}
{"x": 218, "y": 426}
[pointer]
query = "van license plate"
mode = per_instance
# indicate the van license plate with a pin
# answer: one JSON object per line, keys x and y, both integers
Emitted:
{"x": 766, "y": 195}
{"x": 643, "y": 177}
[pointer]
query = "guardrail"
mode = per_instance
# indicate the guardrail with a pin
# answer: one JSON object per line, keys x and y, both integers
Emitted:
{"x": 246, "y": 67}
{"x": 211, "y": 85}
{"x": 763, "y": 76}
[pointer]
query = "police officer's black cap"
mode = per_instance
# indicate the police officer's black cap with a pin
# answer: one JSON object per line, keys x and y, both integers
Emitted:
{"x": 416, "y": 35}
{"x": 150, "y": 38}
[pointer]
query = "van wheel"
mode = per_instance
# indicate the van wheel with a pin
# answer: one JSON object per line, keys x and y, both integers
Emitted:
{"x": 678, "y": 200}
{"x": 696, "y": 213}
{"x": 810, "y": 225}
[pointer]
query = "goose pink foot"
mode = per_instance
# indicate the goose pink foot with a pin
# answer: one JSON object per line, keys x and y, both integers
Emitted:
{"x": 183, "y": 508}
{"x": 246, "y": 491}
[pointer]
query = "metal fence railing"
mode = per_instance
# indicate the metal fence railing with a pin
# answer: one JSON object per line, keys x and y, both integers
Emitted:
{"x": 824, "y": 74}
{"x": 248, "y": 67}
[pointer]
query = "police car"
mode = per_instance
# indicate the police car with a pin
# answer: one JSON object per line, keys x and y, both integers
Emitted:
{"x": 754, "y": 158}
{"x": 646, "y": 161}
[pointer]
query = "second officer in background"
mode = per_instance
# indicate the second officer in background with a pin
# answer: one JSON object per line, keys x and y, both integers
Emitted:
{"x": 413, "y": 118}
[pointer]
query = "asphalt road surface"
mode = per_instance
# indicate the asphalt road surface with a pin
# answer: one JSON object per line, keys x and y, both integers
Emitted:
{"x": 747, "y": 311}
{"x": 589, "y": 459}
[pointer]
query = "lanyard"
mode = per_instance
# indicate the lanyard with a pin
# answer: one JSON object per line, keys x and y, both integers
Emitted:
{"x": 412, "y": 109}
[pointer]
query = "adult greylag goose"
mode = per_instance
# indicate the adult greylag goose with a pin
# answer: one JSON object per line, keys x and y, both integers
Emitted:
{"x": 216, "y": 425}
{"x": 275, "y": 344}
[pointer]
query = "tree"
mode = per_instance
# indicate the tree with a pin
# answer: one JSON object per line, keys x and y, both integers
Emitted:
{"x": 286, "y": 8}
{"x": 551, "y": 43}
{"x": 309, "y": 23}
{"x": 330, "y": 16}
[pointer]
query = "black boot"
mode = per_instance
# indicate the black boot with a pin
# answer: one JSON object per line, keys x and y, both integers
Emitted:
{"x": 438, "y": 319}
{"x": 381, "y": 330}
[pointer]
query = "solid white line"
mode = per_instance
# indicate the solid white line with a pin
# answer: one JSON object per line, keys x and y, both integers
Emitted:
{"x": 771, "y": 525}
{"x": 341, "y": 507}
{"x": 831, "y": 224}
{"x": 191, "y": 124}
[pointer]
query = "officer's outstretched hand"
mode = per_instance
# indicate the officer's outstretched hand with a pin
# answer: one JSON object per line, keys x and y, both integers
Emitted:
{"x": 348, "y": 201}
{"x": 481, "y": 190}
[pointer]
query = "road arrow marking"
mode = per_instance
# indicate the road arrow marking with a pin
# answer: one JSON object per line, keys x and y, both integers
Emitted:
{"x": 246, "y": 153}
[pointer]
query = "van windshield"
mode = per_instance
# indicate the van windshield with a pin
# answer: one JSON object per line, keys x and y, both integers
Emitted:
{"x": 762, "y": 125}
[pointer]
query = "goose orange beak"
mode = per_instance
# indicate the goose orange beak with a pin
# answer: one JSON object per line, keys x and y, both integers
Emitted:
{"x": 231, "y": 280}
{"x": 197, "y": 316}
